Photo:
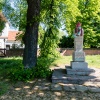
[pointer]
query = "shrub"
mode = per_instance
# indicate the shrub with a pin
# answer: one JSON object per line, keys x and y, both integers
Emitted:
{"x": 40, "y": 71}
{"x": 21, "y": 74}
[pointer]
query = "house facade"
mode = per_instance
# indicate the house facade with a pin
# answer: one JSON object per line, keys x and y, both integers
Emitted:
{"x": 4, "y": 36}
{"x": 8, "y": 39}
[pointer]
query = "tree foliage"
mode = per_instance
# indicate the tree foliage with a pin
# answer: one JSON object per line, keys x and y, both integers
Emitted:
{"x": 16, "y": 11}
{"x": 88, "y": 13}
{"x": 2, "y": 22}
{"x": 67, "y": 12}
{"x": 66, "y": 42}
{"x": 64, "y": 13}
{"x": 51, "y": 23}
{"x": 90, "y": 10}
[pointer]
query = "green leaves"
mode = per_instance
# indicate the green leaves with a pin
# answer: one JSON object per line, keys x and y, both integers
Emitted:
{"x": 2, "y": 22}
{"x": 88, "y": 13}
{"x": 51, "y": 21}
{"x": 12, "y": 68}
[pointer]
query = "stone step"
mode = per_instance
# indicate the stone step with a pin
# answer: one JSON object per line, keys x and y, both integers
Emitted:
{"x": 73, "y": 71}
{"x": 60, "y": 76}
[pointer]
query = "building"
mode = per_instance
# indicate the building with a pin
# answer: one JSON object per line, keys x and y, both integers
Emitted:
{"x": 12, "y": 42}
{"x": 8, "y": 39}
{"x": 4, "y": 36}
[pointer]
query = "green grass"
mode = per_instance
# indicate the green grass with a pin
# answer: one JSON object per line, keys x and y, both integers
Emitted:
{"x": 93, "y": 61}
{"x": 63, "y": 60}
{"x": 3, "y": 88}
{"x": 7, "y": 64}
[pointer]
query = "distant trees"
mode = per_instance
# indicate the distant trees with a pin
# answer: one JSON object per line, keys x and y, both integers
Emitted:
{"x": 66, "y": 42}
{"x": 90, "y": 10}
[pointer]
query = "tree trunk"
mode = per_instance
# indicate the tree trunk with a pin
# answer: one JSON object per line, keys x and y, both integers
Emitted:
{"x": 31, "y": 35}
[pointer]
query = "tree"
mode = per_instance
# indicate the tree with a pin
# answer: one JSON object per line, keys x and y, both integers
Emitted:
{"x": 70, "y": 14}
{"x": 2, "y": 17}
{"x": 2, "y": 22}
{"x": 50, "y": 39}
{"x": 31, "y": 35}
{"x": 90, "y": 10}
{"x": 88, "y": 13}
{"x": 15, "y": 12}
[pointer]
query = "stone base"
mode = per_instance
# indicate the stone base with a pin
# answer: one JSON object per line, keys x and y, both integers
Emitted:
{"x": 60, "y": 76}
{"x": 80, "y": 72}
{"x": 79, "y": 65}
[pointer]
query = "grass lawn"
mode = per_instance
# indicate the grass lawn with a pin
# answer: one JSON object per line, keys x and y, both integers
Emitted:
{"x": 93, "y": 61}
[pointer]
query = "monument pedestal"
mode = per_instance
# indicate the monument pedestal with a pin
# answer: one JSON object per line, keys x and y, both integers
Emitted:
{"x": 81, "y": 72}
{"x": 78, "y": 65}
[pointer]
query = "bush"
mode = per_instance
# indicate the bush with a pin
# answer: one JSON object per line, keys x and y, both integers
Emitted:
{"x": 21, "y": 74}
{"x": 40, "y": 71}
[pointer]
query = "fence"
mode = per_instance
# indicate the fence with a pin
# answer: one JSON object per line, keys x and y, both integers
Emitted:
{"x": 2, "y": 52}
{"x": 63, "y": 51}
{"x": 89, "y": 51}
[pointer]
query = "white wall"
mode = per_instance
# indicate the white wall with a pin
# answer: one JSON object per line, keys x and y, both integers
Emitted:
{"x": 3, "y": 43}
{"x": 17, "y": 43}
{"x": 5, "y": 30}
{"x": 4, "y": 34}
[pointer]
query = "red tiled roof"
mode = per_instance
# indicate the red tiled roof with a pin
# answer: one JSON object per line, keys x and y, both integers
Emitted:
{"x": 12, "y": 35}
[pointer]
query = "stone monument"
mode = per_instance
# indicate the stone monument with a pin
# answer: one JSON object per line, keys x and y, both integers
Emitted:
{"x": 78, "y": 65}
{"x": 78, "y": 71}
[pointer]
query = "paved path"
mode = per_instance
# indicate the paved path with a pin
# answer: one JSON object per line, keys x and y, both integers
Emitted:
{"x": 42, "y": 89}
{"x": 43, "y": 84}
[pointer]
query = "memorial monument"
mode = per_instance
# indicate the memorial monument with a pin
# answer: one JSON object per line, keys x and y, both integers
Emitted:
{"x": 78, "y": 65}
{"x": 78, "y": 71}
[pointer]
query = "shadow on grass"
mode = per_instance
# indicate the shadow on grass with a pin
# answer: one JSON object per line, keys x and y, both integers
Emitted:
{"x": 3, "y": 87}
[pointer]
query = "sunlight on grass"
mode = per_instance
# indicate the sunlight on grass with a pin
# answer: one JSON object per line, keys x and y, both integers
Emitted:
{"x": 63, "y": 60}
{"x": 92, "y": 60}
